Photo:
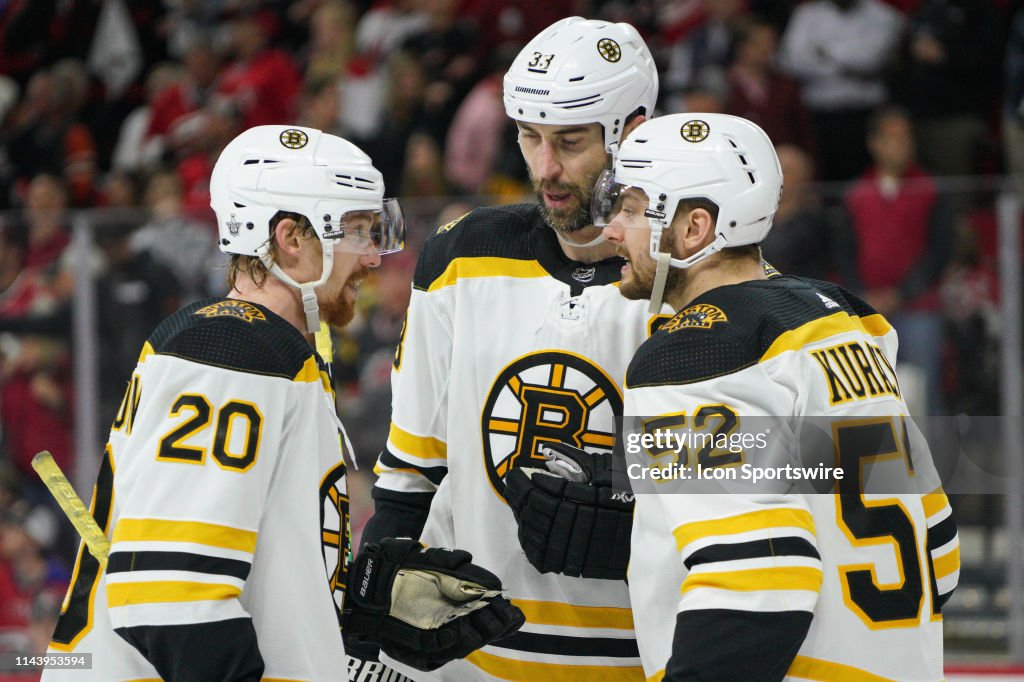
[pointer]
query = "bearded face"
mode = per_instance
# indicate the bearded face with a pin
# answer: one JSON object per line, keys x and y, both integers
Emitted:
{"x": 638, "y": 274}
{"x": 571, "y": 210}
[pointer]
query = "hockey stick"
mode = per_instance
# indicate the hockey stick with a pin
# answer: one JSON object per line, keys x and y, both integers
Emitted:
{"x": 79, "y": 516}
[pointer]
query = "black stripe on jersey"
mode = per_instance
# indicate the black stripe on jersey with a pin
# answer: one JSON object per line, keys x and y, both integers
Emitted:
{"x": 271, "y": 346}
{"x": 755, "y": 549}
{"x": 433, "y": 474}
{"x": 517, "y": 232}
{"x": 126, "y": 562}
{"x": 727, "y": 646}
{"x": 221, "y": 650}
{"x": 941, "y": 533}
{"x": 570, "y": 646}
{"x": 498, "y": 231}
{"x": 751, "y": 316}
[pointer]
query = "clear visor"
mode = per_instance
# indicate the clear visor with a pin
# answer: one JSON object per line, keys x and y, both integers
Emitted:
{"x": 612, "y": 198}
{"x": 366, "y": 231}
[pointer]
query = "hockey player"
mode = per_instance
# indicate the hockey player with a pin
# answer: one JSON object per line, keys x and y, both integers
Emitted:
{"x": 778, "y": 582}
{"x": 223, "y": 484}
{"x": 506, "y": 350}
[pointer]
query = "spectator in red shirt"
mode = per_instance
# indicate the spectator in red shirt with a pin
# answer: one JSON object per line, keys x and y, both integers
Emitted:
{"x": 186, "y": 96}
{"x": 262, "y": 81}
{"x": 759, "y": 92}
{"x": 901, "y": 240}
{"x": 25, "y": 570}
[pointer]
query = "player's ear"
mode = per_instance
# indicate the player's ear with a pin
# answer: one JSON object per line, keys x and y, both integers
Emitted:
{"x": 631, "y": 126}
{"x": 287, "y": 236}
{"x": 695, "y": 229}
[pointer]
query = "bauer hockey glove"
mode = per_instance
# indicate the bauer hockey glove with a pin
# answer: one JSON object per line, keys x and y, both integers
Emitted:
{"x": 424, "y": 606}
{"x": 571, "y": 520}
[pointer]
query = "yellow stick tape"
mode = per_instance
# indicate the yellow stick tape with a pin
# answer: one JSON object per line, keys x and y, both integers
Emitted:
{"x": 74, "y": 508}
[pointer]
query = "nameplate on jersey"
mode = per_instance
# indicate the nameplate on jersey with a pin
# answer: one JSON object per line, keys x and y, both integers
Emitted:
{"x": 700, "y": 316}
{"x": 239, "y": 309}
{"x": 856, "y": 371}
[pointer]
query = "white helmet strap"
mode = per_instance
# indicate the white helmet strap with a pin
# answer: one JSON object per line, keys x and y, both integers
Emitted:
{"x": 660, "y": 277}
{"x": 307, "y": 290}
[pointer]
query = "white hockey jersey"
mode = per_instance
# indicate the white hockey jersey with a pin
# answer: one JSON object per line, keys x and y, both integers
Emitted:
{"x": 223, "y": 493}
{"x": 715, "y": 577}
{"x": 509, "y": 345}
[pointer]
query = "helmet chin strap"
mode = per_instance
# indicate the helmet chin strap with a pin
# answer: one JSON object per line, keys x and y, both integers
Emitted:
{"x": 660, "y": 277}
{"x": 595, "y": 242}
{"x": 307, "y": 290}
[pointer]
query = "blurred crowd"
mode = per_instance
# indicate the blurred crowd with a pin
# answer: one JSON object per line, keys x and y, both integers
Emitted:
{"x": 888, "y": 116}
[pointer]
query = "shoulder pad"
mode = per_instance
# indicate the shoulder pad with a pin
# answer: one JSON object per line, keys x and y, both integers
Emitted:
{"x": 734, "y": 327}
{"x": 494, "y": 231}
{"x": 235, "y": 335}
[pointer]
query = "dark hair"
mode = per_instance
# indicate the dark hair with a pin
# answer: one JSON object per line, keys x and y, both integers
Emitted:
{"x": 252, "y": 265}
{"x": 687, "y": 205}
{"x": 733, "y": 252}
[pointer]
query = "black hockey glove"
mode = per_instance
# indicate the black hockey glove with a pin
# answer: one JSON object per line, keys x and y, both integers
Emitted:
{"x": 424, "y": 607}
{"x": 571, "y": 520}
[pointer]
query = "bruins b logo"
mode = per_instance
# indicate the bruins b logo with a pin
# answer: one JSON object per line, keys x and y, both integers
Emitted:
{"x": 695, "y": 131}
{"x": 294, "y": 138}
{"x": 336, "y": 532}
{"x": 546, "y": 397}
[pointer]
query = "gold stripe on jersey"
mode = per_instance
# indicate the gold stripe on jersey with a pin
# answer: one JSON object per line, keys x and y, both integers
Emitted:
{"x": 657, "y": 677}
{"x": 514, "y": 669}
{"x": 823, "y": 328}
{"x": 162, "y": 591}
{"x": 934, "y": 502}
{"x": 147, "y": 350}
{"x": 198, "y": 532}
{"x": 807, "y": 668}
{"x": 466, "y": 267}
{"x": 757, "y": 579}
{"x": 310, "y": 372}
{"x": 424, "y": 447}
{"x": 571, "y": 615}
{"x": 785, "y": 517}
{"x": 947, "y": 564}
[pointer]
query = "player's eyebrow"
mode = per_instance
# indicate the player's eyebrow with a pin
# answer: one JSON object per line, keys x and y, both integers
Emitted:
{"x": 570, "y": 130}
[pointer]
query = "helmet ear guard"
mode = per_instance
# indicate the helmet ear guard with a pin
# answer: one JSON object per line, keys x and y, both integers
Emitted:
{"x": 322, "y": 177}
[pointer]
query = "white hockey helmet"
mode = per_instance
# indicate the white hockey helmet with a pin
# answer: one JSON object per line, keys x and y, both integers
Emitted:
{"x": 580, "y": 71}
{"x": 725, "y": 159}
{"x": 324, "y": 178}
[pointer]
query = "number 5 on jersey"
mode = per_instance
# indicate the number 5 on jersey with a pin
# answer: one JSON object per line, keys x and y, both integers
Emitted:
{"x": 232, "y": 450}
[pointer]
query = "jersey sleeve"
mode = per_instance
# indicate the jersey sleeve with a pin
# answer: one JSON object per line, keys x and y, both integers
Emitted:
{"x": 414, "y": 460}
{"x": 194, "y": 460}
{"x": 751, "y": 568}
